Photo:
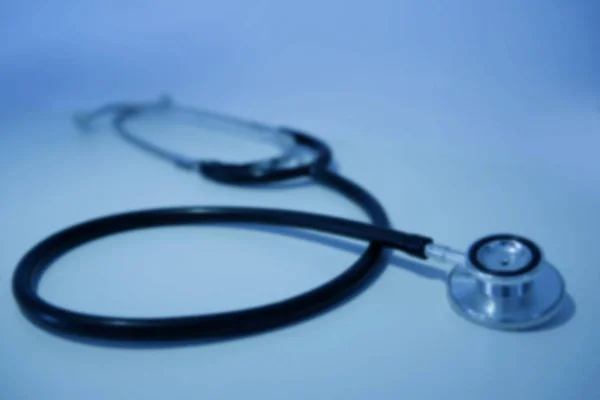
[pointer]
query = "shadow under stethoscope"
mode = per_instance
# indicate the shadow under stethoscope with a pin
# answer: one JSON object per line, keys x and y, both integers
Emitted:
{"x": 566, "y": 313}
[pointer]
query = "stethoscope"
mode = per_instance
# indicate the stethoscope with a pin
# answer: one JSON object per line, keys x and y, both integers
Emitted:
{"x": 501, "y": 281}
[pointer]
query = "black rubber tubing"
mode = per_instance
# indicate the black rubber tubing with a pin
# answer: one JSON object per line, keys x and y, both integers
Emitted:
{"x": 227, "y": 324}
{"x": 241, "y": 174}
{"x": 220, "y": 325}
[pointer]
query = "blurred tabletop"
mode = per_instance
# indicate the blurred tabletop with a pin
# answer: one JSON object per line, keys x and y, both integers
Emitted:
{"x": 464, "y": 118}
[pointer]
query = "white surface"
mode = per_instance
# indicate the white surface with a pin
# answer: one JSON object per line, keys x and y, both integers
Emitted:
{"x": 461, "y": 124}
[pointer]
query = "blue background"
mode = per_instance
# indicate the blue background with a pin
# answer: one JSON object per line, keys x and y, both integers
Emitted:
{"x": 463, "y": 117}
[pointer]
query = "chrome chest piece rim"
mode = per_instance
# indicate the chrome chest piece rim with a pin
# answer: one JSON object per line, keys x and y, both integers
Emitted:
{"x": 505, "y": 283}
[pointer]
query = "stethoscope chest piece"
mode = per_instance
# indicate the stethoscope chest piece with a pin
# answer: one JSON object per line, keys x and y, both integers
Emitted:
{"x": 506, "y": 284}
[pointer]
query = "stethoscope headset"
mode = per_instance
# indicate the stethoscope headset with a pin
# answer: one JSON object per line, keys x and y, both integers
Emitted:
{"x": 502, "y": 281}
